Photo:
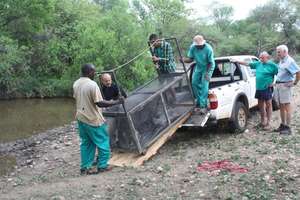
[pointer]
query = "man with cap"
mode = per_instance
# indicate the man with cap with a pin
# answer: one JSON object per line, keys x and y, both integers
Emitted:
{"x": 284, "y": 83}
{"x": 162, "y": 55}
{"x": 91, "y": 123}
{"x": 202, "y": 53}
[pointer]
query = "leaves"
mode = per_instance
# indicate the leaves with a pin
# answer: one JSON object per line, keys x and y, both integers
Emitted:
{"x": 43, "y": 43}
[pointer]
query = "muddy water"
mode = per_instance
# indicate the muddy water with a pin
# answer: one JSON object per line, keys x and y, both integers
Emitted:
{"x": 23, "y": 118}
{"x": 6, "y": 164}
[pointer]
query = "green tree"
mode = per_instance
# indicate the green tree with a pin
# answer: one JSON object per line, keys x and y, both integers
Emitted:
{"x": 222, "y": 15}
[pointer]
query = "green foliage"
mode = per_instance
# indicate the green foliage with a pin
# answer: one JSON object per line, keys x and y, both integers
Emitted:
{"x": 13, "y": 65}
{"x": 135, "y": 74}
{"x": 222, "y": 15}
{"x": 43, "y": 43}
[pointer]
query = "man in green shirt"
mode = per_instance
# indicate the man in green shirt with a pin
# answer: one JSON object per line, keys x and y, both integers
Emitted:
{"x": 162, "y": 55}
{"x": 265, "y": 72}
{"x": 202, "y": 53}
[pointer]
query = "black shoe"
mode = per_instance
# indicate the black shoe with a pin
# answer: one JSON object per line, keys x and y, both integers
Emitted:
{"x": 286, "y": 131}
{"x": 281, "y": 127}
{"x": 83, "y": 171}
{"x": 90, "y": 171}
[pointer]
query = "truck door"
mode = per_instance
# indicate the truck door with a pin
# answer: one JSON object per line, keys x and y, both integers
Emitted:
{"x": 228, "y": 83}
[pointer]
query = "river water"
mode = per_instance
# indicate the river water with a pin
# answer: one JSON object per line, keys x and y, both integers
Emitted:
{"x": 24, "y": 117}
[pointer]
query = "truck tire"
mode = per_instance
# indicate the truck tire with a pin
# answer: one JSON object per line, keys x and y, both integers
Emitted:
{"x": 239, "y": 120}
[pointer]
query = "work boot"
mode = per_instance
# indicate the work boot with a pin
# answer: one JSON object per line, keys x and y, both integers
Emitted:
{"x": 286, "y": 131}
{"x": 106, "y": 169}
{"x": 89, "y": 171}
{"x": 281, "y": 127}
{"x": 200, "y": 111}
{"x": 203, "y": 111}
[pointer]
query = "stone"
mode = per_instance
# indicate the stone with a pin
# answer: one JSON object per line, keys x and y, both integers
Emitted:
{"x": 201, "y": 193}
{"x": 68, "y": 143}
{"x": 97, "y": 196}
{"x": 182, "y": 191}
{"x": 159, "y": 169}
{"x": 29, "y": 161}
{"x": 57, "y": 198}
{"x": 54, "y": 146}
{"x": 139, "y": 182}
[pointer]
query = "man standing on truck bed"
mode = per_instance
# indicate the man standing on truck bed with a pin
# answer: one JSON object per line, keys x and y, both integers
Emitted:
{"x": 91, "y": 123}
{"x": 162, "y": 55}
{"x": 203, "y": 54}
{"x": 283, "y": 90}
{"x": 265, "y": 73}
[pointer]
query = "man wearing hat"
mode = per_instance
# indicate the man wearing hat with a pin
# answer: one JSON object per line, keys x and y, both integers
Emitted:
{"x": 202, "y": 53}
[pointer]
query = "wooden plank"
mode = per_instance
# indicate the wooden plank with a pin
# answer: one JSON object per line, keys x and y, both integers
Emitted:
{"x": 134, "y": 159}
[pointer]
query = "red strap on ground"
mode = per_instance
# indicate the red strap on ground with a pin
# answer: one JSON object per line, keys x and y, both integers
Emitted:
{"x": 221, "y": 165}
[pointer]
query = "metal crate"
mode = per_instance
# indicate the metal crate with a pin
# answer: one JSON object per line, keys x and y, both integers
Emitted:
{"x": 149, "y": 111}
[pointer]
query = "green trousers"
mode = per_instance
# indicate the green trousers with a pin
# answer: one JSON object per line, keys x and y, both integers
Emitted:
{"x": 92, "y": 137}
{"x": 200, "y": 88}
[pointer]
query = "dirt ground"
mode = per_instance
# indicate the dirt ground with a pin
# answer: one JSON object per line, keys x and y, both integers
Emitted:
{"x": 48, "y": 167}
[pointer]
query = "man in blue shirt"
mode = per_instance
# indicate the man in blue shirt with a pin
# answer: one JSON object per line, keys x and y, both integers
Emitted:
{"x": 287, "y": 69}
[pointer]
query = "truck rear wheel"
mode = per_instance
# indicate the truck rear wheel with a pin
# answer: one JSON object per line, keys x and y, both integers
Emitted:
{"x": 239, "y": 120}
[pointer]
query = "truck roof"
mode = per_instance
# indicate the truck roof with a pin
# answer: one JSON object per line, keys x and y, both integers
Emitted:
{"x": 238, "y": 57}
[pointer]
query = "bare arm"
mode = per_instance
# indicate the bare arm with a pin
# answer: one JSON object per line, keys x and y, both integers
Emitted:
{"x": 104, "y": 103}
{"x": 187, "y": 60}
{"x": 297, "y": 78}
{"x": 240, "y": 62}
{"x": 243, "y": 63}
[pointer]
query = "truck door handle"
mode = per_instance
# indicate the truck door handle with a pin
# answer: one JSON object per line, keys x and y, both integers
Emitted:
{"x": 229, "y": 85}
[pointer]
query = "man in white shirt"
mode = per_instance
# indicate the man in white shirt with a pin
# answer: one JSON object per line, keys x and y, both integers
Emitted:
{"x": 287, "y": 69}
{"x": 91, "y": 123}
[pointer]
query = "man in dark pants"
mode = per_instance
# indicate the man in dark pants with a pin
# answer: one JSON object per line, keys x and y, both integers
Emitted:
{"x": 91, "y": 123}
{"x": 265, "y": 71}
{"x": 110, "y": 90}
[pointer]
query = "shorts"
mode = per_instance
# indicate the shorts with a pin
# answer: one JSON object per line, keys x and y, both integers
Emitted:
{"x": 283, "y": 93}
{"x": 265, "y": 94}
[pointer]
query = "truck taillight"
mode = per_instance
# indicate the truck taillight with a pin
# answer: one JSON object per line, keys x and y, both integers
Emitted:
{"x": 213, "y": 101}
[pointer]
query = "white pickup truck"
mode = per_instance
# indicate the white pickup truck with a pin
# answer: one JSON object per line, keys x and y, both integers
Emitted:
{"x": 231, "y": 93}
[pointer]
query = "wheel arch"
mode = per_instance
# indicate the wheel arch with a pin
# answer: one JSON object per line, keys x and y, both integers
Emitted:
{"x": 241, "y": 97}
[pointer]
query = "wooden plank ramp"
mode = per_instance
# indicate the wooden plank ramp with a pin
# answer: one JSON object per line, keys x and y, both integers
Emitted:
{"x": 122, "y": 159}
